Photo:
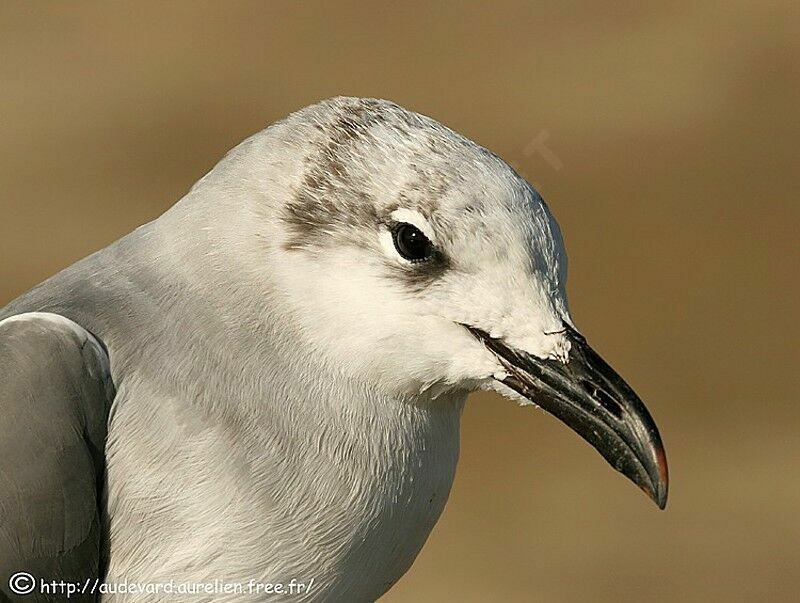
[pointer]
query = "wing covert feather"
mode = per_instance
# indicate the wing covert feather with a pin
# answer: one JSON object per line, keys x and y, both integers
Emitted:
{"x": 55, "y": 395}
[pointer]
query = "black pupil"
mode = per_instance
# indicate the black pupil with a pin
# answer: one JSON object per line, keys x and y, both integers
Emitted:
{"x": 411, "y": 243}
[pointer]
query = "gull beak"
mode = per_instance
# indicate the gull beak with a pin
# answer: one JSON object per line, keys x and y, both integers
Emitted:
{"x": 593, "y": 400}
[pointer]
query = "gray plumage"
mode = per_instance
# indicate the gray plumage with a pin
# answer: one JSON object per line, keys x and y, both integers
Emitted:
{"x": 288, "y": 384}
{"x": 55, "y": 394}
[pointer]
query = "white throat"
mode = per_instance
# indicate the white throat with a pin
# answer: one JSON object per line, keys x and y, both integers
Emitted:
{"x": 288, "y": 471}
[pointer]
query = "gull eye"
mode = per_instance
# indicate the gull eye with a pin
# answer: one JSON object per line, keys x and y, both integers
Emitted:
{"x": 410, "y": 243}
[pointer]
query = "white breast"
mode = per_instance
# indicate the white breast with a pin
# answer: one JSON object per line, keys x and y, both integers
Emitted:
{"x": 344, "y": 493}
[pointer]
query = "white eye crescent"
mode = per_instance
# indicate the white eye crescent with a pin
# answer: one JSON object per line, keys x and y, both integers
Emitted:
{"x": 413, "y": 217}
{"x": 404, "y": 222}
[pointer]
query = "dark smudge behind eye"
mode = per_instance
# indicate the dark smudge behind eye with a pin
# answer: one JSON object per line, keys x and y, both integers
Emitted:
{"x": 332, "y": 204}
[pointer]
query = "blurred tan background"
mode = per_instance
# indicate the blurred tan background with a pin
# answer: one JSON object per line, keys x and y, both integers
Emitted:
{"x": 665, "y": 141}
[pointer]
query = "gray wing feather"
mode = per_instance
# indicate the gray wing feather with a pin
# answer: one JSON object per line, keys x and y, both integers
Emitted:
{"x": 55, "y": 395}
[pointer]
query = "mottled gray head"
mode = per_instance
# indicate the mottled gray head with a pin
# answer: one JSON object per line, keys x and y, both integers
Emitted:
{"x": 371, "y": 158}
{"x": 415, "y": 262}
{"x": 321, "y": 198}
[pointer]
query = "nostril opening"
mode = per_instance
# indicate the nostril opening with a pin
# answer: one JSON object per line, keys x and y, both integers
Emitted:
{"x": 609, "y": 403}
{"x": 602, "y": 398}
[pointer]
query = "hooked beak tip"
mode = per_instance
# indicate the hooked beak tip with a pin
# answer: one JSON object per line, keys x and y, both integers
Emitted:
{"x": 592, "y": 399}
{"x": 660, "y": 492}
{"x": 657, "y": 486}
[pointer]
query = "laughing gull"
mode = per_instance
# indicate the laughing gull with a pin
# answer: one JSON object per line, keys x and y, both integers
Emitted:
{"x": 264, "y": 385}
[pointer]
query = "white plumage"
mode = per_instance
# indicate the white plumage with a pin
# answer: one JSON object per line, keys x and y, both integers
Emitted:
{"x": 289, "y": 386}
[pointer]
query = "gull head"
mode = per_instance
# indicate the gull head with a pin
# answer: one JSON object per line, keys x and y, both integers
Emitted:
{"x": 415, "y": 262}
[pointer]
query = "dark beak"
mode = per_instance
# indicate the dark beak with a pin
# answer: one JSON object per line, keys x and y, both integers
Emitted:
{"x": 590, "y": 397}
